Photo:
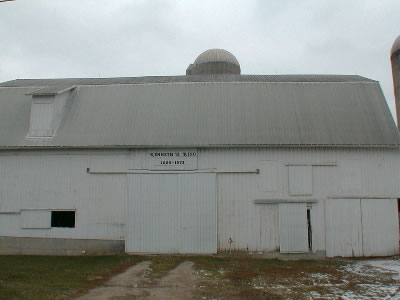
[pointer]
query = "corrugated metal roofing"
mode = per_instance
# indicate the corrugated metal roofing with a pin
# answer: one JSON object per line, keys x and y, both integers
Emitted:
{"x": 350, "y": 111}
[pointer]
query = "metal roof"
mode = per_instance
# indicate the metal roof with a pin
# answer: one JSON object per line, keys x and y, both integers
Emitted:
{"x": 184, "y": 111}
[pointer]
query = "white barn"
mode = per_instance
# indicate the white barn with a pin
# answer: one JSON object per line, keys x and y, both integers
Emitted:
{"x": 204, "y": 163}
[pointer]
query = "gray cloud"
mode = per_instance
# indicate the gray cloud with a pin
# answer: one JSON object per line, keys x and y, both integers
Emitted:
{"x": 91, "y": 38}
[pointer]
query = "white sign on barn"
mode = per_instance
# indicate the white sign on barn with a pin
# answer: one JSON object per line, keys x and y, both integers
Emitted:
{"x": 171, "y": 159}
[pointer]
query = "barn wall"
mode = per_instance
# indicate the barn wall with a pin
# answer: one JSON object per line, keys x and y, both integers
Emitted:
{"x": 59, "y": 180}
{"x": 36, "y": 180}
{"x": 335, "y": 173}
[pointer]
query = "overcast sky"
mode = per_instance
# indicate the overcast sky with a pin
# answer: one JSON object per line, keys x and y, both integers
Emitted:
{"x": 112, "y": 38}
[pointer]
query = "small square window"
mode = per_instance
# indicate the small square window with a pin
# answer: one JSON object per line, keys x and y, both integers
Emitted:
{"x": 63, "y": 219}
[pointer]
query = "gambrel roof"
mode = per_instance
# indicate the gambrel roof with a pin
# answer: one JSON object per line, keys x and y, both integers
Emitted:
{"x": 203, "y": 111}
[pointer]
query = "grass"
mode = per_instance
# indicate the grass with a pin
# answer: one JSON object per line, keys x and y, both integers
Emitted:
{"x": 56, "y": 277}
{"x": 47, "y": 277}
{"x": 161, "y": 265}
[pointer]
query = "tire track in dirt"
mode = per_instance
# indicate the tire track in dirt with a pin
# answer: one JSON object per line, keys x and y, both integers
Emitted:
{"x": 121, "y": 286}
{"x": 178, "y": 284}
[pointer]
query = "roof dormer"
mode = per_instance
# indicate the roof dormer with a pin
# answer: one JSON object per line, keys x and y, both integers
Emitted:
{"x": 47, "y": 110}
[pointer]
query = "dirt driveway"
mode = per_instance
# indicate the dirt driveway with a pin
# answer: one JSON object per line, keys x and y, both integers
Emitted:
{"x": 133, "y": 284}
{"x": 239, "y": 278}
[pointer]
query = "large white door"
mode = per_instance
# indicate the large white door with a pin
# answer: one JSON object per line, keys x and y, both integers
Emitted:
{"x": 380, "y": 227}
{"x": 361, "y": 227}
{"x": 172, "y": 213}
{"x": 197, "y": 213}
{"x": 152, "y": 224}
{"x": 293, "y": 227}
{"x": 343, "y": 227}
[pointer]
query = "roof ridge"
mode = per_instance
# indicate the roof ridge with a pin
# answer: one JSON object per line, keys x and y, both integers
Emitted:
{"x": 182, "y": 78}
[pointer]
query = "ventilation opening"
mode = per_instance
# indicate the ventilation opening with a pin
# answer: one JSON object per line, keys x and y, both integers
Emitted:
{"x": 63, "y": 219}
{"x": 309, "y": 229}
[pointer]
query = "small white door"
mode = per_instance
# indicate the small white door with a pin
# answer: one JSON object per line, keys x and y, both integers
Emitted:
{"x": 293, "y": 228}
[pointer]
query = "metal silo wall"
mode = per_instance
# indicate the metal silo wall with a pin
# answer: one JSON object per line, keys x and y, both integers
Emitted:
{"x": 395, "y": 59}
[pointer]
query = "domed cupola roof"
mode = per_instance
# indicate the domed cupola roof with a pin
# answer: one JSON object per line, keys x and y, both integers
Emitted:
{"x": 396, "y": 46}
{"x": 214, "y": 61}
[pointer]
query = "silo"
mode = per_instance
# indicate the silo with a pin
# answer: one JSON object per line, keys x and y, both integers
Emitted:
{"x": 395, "y": 59}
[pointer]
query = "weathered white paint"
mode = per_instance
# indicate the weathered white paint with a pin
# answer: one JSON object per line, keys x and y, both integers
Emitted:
{"x": 293, "y": 227}
{"x": 172, "y": 213}
{"x": 59, "y": 180}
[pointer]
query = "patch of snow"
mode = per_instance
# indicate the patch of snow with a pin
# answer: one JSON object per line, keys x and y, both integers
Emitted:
{"x": 319, "y": 275}
{"x": 360, "y": 268}
{"x": 315, "y": 294}
{"x": 392, "y": 265}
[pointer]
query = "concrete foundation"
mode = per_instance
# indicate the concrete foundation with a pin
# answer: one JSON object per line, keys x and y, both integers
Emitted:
{"x": 50, "y": 246}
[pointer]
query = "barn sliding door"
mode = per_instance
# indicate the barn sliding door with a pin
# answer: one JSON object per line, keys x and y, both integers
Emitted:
{"x": 152, "y": 213}
{"x": 171, "y": 213}
{"x": 380, "y": 227}
{"x": 293, "y": 228}
{"x": 343, "y": 227}
{"x": 197, "y": 213}
{"x": 361, "y": 227}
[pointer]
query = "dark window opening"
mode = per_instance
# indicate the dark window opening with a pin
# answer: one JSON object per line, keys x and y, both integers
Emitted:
{"x": 309, "y": 229}
{"x": 63, "y": 219}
